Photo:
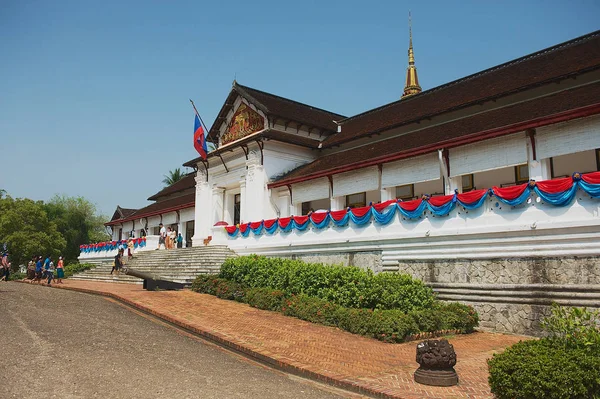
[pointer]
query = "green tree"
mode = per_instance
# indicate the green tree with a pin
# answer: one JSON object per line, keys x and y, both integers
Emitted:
{"x": 77, "y": 220}
{"x": 27, "y": 230}
{"x": 173, "y": 177}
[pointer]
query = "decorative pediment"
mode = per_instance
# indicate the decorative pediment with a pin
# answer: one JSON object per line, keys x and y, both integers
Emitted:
{"x": 245, "y": 121}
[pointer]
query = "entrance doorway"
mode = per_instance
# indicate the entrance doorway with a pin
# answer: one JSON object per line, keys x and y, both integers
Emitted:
{"x": 237, "y": 200}
{"x": 189, "y": 233}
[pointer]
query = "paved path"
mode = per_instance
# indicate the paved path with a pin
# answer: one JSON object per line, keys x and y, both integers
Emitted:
{"x": 308, "y": 349}
{"x": 63, "y": 344}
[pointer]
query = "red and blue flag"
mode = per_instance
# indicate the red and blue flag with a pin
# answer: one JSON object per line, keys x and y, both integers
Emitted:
{"x": 199, "y": 139}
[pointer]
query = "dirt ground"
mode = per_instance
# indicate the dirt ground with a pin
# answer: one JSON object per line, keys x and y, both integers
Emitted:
{"x": 62, "y": 344}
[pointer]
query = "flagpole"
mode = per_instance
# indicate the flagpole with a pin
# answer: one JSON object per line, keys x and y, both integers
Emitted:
{"x": 198, "y": 115}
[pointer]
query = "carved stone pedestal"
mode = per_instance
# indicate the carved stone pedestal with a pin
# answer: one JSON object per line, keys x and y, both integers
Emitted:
{"x": 436, "y": 359}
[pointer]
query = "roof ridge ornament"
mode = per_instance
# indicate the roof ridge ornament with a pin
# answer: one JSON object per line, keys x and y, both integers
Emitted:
{"x": 412, "y": 80}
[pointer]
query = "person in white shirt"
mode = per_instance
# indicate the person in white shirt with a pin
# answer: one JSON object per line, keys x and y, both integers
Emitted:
{"x": 163, "y": 236}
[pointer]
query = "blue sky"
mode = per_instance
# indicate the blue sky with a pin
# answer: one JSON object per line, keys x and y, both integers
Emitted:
{"x": 94, "y": 95}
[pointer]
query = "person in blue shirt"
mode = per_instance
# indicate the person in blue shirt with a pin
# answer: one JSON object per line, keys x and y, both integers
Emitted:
{"x": 47, "y": 265}
{"x": 38, "y": 269}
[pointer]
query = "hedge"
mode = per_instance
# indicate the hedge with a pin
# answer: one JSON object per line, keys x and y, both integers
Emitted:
{"x": 346, "y": 286}
{"x": 386, "y": 325}
{"x": 542, "y": 369}
{"x": 565, "y": 364}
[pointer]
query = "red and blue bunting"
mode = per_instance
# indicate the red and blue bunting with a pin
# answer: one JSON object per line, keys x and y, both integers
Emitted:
{"x": 112, "y": 245}
{"x": 557, "y": 192}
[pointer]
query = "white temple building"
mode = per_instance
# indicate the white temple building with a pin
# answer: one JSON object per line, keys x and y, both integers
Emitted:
{"x": 284, "y": 176}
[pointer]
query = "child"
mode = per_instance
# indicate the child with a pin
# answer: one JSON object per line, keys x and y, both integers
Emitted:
{"x": 50, "y": 272}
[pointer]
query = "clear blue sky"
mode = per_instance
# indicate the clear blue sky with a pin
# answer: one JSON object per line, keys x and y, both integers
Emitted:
{"x": 94, "y": 95}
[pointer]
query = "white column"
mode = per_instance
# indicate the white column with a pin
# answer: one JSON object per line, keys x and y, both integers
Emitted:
{"x": 256, "y": 189}
{"x": 539, "y": 169}
{"x": 217, "y": 204}
{"x": 202, "y": 209}
{"x": 228, "y": 208}
{"x": 388, "y": 193}
{"x": 284, "y": 203}
{"x": 451, "y": 184}
{"x": 296, "y": 209}
{"x": 243, "y": 202}
{"x": 338, "y": 203}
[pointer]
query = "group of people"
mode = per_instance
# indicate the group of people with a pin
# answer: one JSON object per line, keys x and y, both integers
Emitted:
{"x": 38, "y": 270}
{"x": 169, "y": 238}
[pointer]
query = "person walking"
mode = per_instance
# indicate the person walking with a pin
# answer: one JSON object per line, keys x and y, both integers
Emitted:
{"x": 118, "y": 263}
{"x": 5, "y": 267}
{"x": 60, "y": 270}
{"x": 38, "y": 269}
{"x": 162, "y": 237}
{"x": 50, "y": 272}
{"x": 47, "y": 266}
{"x": 179, "y": 241}
{"x": 31, "y": 269}
{"x": 130, "y": 249}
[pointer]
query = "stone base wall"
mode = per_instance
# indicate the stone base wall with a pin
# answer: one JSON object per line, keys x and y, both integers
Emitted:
{"x": 571, "y": 270}
{"x": 512, "y": 295}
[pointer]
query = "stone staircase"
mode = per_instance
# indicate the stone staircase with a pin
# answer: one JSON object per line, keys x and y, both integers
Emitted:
{"x": 179, "y": 265}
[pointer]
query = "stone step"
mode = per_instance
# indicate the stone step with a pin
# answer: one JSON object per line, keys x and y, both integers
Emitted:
{"x": 181, "y": 265}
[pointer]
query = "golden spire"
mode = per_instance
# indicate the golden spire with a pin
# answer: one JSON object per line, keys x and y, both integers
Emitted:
{"x": 412, "y": 81}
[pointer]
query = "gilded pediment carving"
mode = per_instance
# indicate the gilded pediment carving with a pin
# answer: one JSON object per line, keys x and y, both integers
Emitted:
{"x": 245, "y": 121}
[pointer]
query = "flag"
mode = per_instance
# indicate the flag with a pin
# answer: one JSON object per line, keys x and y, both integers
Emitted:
{"x": 199, "y": 140}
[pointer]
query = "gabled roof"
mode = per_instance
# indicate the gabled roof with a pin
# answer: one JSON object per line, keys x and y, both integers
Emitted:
{"x": 185, "y": 183}
{"x": 268, "y": 134}
{"x": 121, "y": 213}
{"x": 554, "y": 63}
{"x": 170, "y": 205}
{"x": 564, "y": 105}
{"x": 276, "y": 106}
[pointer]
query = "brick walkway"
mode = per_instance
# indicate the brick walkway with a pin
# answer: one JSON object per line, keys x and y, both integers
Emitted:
{"x": 318, "y": 352}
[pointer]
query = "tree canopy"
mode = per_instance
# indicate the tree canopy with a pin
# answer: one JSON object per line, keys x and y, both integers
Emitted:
{"x": 54, "y": 228}
{"x": 173, "y": 176}
{"x": 27, "y": 231}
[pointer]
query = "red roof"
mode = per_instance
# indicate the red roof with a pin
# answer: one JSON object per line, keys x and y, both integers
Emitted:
{"x": 511, "y": 119}
{"x": 170, "y": 205}
{"x": 276, "y": 106}
{"x": 185, "y": 183}
{"x": 558, "y": 62}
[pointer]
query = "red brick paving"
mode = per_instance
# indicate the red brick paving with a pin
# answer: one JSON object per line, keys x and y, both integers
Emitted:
{"x": 315, "y": 351}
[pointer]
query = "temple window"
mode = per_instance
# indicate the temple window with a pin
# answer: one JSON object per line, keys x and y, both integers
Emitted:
{"x": 405, "y": 192}
{"x": 582, "y": 162}
{"x": 467, "y": 183}
{"x": 598, "y": 159}
{"x": 356, "y": 200}
{"x": 521, "y": 174}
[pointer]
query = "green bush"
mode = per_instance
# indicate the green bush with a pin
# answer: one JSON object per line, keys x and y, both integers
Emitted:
{"x": 346, "y": 286}
{"x": 541, "y": 369}
{"x": 224, "y": 289}
{"x": 265, "y": 298}
{"x": 566, "y": 364}
{"x": 73, "y": 268}
{"x": 574, "y": 327}
{"x": 386, "y": 325}
{"x": 17, "y": 276}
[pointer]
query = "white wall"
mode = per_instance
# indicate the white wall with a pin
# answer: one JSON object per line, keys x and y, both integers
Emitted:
{"x": 568, "y": 137}
{"x": 489, "y": 154}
